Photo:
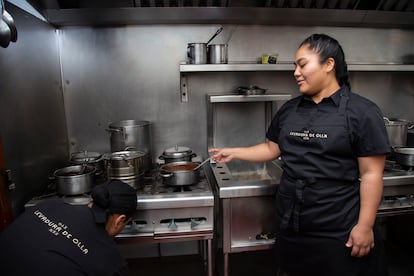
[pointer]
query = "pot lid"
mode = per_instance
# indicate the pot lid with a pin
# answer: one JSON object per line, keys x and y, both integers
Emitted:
{"x": 85, "y": 156}
{"x": 177, "y": 152}
{"x": 124, "y": 155}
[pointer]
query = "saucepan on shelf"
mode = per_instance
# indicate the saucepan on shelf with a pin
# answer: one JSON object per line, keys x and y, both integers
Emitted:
{"x": 250, "y": 90}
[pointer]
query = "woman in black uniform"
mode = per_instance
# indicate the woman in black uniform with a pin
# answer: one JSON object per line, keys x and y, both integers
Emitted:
{"x": 332, "y": 145}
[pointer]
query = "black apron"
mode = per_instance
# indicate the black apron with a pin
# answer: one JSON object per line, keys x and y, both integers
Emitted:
{"x": 318, "y": 199}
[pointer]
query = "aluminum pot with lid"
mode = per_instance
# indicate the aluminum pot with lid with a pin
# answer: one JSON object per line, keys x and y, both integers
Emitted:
{"x": 124, "y": 163}
{"x": 176, "y": 154}
{"x": 397, "y": 131}
{"x": 180, "y": 173}
{"x": 75, "y": 180}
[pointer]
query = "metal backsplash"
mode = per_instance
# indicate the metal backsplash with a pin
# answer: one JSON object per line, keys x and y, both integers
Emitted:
{"x": 132, "y": 72}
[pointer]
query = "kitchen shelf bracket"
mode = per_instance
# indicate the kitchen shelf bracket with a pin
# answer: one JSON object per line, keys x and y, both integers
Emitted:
{"x": 183, "y": 88}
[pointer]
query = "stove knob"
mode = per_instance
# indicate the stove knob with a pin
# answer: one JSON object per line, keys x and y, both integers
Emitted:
{"x": 172, "y": 225}
{"x": 194, "y": 223}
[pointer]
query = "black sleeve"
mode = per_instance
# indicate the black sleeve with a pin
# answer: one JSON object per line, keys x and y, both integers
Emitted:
{"x": 371, "y": 134}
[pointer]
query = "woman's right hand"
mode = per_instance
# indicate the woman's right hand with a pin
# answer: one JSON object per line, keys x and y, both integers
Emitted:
{"x": 258, "y": 153}
{"x": 222, "y": 155}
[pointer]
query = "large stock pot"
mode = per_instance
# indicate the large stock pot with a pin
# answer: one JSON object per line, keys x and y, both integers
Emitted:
{"x": 397, "y": 130}
{"x": 132, "y": 135}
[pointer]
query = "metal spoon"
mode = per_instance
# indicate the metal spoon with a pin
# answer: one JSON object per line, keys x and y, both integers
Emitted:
{"x": 201, "y": 164}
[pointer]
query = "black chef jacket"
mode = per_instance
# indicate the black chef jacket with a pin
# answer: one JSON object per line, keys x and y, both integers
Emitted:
{"x": 318, "y": 198}
{"x": 56, "y": 238}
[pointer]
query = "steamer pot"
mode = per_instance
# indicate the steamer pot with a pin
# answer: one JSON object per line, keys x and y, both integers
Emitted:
{"x": 124, "y": 163}
{"x": 180, "y": 173}
{"x": 70, "y": 180}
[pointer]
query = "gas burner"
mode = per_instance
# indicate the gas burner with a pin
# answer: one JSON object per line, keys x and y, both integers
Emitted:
{"x": 185, "y": 188}
{"x": 393, "y": 166}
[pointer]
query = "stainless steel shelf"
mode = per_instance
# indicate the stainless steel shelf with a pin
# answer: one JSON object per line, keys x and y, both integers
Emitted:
{"x": 248, "y": 98}
{"x": 235, "y": 67}
{"x": 285, "y": 66}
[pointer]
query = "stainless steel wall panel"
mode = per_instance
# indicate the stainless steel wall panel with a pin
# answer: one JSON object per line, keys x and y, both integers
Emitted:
{"x": 32, "y": 121}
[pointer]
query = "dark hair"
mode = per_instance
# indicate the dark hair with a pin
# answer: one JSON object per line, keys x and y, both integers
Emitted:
{"x": 328, "y": 47}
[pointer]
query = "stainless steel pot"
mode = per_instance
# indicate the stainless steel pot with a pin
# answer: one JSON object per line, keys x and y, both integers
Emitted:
{"x": 404, "y": 156}
{"x": 72, "y": 181}
{"x": 217, "y": 53}
{"x": 88, "y": 157}
{"x": 124, "y": 163}
{"x": 134, "y": 135}
{"x": 397, "y": 131}
{"x": 177, "y": 154}
{"x": 197, "y": 53}
{"x": 180, "y": 173}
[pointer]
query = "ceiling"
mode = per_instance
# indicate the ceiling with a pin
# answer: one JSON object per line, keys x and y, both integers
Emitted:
{"x": 381, "y": 5}
{"x": 370, "y": 13}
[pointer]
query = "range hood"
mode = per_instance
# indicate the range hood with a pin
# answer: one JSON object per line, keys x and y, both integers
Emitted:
{"x": 352, "y": 13}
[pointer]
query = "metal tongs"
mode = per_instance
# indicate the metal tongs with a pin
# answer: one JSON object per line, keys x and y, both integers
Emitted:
{"x": 201, "y": 164}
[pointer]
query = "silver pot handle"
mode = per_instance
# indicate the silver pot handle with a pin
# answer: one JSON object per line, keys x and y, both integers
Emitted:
{"x": 386, "y": 120}
{"x": 166, "y": 175}
{"x": 113, "y": 130}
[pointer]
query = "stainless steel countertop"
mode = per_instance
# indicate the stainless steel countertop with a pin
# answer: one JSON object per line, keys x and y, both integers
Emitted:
{"x": 264, "y": 181}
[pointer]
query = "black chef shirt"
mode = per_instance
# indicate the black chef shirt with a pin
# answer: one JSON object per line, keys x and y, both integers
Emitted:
{"x": 56, "y": 238}
{"x": 366, "y": 127}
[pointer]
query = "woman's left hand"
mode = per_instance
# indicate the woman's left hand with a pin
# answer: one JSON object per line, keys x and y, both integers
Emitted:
{"x": 361, "y": 240}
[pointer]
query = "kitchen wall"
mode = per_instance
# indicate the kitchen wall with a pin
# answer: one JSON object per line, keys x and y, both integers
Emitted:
{"x": 132, "y": 72}
{"x": 60, "y": 88}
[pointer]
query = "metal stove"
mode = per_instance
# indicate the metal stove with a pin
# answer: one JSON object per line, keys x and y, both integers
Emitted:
{"x": 398, "y": 194}
{"x": 164, "y": 214}
{"x": 173, "y": 214}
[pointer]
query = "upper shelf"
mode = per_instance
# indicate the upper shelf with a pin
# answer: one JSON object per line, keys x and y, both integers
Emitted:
{"x": 285, "y": 66}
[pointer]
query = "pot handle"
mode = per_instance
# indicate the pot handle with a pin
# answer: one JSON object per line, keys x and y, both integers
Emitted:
{"x": 166, "y": 175}
{"x": 113, "y": 130}
{"x": 386, "y": 120}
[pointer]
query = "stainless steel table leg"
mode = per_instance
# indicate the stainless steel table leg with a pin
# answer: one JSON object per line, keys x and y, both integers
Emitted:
{"x": 209, "y": 258}
{"x": 226, "y": 264}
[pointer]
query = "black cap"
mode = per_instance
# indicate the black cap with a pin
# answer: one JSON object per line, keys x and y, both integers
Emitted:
{"x": 113, "y": 197}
